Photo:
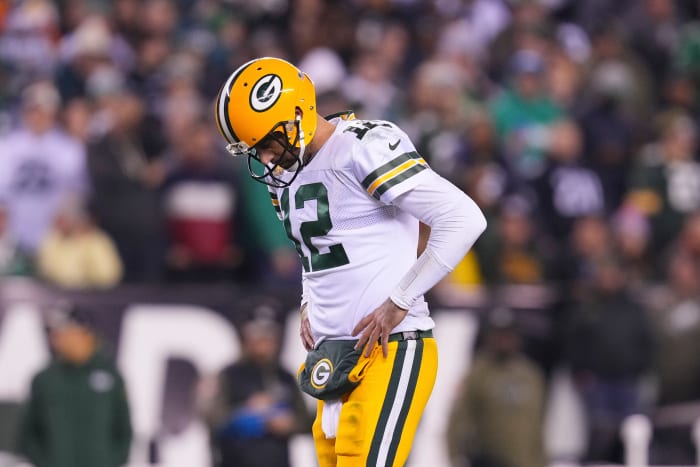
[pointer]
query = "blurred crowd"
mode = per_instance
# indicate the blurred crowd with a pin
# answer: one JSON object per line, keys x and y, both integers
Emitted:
{"x": 573, "y": 124}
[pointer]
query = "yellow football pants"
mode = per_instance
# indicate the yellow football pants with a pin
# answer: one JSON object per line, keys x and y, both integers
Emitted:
{"x": 379, "y": 419}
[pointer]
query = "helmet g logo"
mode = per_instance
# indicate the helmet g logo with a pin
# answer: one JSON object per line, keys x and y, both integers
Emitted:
{"x": 321, "y": 373}
{"x": 265, "y": 92}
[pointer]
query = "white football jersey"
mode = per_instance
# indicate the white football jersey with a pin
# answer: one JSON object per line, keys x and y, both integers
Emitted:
{"x": 37, "y": 172}
{"x": 355, "y": 246}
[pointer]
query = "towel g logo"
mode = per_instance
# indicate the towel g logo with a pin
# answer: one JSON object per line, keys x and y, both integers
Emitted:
{"x": 265, "y": 92}
{"x": 321, "y": 373}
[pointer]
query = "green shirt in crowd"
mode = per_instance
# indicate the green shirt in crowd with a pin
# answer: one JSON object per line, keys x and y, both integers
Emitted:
{"x": 77, "y": 416}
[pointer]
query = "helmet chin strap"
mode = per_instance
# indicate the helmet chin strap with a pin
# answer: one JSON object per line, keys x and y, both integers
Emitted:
{"x": 302, "y": 142}
{"x": 302, "y": 147}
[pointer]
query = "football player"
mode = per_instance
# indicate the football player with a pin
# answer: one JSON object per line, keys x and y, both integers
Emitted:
{"x": 350, "y": 194}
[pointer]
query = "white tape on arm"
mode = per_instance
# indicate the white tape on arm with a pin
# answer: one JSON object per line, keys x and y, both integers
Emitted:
{"x": 425, "y": 273}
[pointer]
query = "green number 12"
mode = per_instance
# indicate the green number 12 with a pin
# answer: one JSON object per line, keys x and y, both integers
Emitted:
{"x": 336, "y": 255}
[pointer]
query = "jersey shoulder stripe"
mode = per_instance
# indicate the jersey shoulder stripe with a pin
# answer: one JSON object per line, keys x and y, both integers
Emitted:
{"x": 389, "y": 184}
{"x": 343, "y": 115}
{"x": 275, "y": 203}
{"x": 393, "y": 172}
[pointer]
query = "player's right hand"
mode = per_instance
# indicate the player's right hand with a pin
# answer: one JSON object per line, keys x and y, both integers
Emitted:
{"x": 376, "y": 326}
{"x": 307, "y": 338}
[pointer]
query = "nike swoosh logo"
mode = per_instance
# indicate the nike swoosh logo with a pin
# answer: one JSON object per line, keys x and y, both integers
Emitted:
{"x": 395, "y": 145}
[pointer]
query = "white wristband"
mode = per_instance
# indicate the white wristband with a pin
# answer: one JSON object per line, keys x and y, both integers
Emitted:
{"x": 427, "y": 271}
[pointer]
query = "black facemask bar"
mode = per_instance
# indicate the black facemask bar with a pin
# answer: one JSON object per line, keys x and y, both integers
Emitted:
{"x": 271, "y": 174}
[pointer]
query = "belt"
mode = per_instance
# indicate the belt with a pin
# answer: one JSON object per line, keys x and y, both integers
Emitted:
{"x": 410, "y": 335}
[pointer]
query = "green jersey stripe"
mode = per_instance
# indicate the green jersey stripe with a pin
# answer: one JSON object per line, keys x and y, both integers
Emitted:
{"x": 397, "y": 161}
{"x": 412, "y": 382}
{"x": 388, "y": 404}
{"x": 392, "y": 182}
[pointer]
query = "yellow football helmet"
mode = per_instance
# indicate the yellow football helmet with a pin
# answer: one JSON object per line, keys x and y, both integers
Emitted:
{"x": 259, "y": 102}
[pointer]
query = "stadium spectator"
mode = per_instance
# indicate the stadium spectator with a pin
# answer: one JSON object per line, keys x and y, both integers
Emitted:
{"x": 529, "y": 28}
{"x": 485, "y": 176}
{"x": 438, "y": 116}
{"x": 369, "y": 86}
{"x": 665, "y": 182}
{"x": 181, "y": 103}
{"x": 680, "y": 92}
{"x": 686, "y": 56}
{"x": 126, "y": 170}
{"x": 689, "y": 238}
{"x": 497, "y": 418}
{"x": 40, "y": 165}
{"x": 615, "y": 69}
{"x": 590, "y": 241}
{"x": 77, "y": 119}
{"x": 565, "y": 77}
{"x": 523, "y": 113}
{"x": 12, "y": 261}
{"x": 27, "y": 43}
{"x": 147, "y": 78}
{"x": 77, "y": 413}
{"x": 674, "y": 308}
{"x": 269, "y": 256}
{"x": 609, "y": 349}
{"x": 567, "y": 189}
{"x": 85, "y": 50}
{"x": 511, "y": 250}
{"x": 256, "y": 405}
{"x": 200, "y": 205}
{"x": 76, "y": 254}
{"x": 654, "y": 32}
{"x": 609, "y": 141}
{"x": 632, "y": 236}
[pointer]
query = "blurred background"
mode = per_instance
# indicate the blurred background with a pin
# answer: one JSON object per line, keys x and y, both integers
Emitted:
{"x": 572, "y": 123}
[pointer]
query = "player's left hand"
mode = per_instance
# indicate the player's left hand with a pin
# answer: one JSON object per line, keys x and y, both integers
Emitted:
{"x": 377, "y": 325}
